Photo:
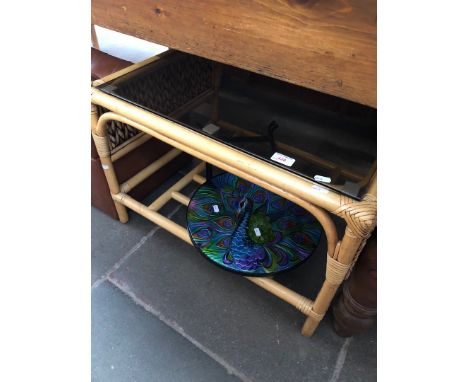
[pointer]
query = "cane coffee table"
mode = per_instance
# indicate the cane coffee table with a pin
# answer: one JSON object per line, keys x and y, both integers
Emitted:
{"x": 178, "y": 99}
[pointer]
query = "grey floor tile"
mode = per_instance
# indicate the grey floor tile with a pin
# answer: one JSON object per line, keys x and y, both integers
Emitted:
{"x": 111, "y": 240}
{"x": 361, "y": 359}
{"x": 247, "y": 327}
{"x": 130, "y": 344}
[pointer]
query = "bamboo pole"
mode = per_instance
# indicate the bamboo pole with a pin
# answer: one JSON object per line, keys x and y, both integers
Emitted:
{"x": 167, "y": 195}
{"x": 303, "y": 304}
{"x": 139, "y": 177}
{"x": 347, "y": 250}
{"x": 199, "y": 179}
{"x": 129, "y": 145}
{"x": 155, "y": 217}
{"x": 102, "y": 147}
{"x": 181, "y": 198}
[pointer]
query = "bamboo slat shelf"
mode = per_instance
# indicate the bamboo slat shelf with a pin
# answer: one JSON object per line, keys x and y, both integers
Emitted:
{"x": 322, "y": 202}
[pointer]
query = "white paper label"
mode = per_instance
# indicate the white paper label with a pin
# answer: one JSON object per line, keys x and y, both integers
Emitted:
{"x": 320, "y": 178}
{"x": 283, "y": 159}
{"x": 105, "y": 167}
{"x": 257, "y": 232}
{"x": 215, "y": 208}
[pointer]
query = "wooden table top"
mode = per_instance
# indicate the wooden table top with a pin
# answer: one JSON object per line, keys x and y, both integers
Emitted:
{"x": 325, "y": 45}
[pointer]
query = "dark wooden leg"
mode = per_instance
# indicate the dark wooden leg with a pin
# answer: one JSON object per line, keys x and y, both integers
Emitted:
{"x": 355, "y": 310}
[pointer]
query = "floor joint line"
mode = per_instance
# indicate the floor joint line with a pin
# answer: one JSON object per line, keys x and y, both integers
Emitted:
{"x": 132, "y": 250}
{"x": 176, "y": 327}
{"x": 340, "y": 361}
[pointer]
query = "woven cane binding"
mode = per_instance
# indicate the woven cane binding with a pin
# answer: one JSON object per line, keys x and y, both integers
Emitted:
{"x": 336, "y": 271}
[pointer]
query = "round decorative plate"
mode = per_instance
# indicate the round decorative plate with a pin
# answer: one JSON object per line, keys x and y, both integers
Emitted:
{"x": 249, "y": 230}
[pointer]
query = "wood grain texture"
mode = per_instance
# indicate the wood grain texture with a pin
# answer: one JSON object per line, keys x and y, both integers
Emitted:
{"x": 325, "y": 45}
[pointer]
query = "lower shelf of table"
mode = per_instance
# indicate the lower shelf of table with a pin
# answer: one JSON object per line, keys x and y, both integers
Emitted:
{"x": 302, "y": 303}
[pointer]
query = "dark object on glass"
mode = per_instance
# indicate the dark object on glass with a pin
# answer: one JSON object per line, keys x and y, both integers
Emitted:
{"x": 355, "y": 310}
{"x": 268, "y": 137}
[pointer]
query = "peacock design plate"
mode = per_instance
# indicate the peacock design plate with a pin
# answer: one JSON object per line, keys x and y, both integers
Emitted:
{"x": 249, "y": 230}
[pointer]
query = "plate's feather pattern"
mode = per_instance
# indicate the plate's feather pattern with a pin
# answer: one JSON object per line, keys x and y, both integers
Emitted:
{"x": 218, "y": 219}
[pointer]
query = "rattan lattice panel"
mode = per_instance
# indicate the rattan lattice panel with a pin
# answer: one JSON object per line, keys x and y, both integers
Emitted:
{"x": 171, "y": 85}
{"x": 117, "y": 132}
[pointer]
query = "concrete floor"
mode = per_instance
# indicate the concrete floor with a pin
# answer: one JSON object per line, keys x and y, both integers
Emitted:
{"x": 161, "y": 312}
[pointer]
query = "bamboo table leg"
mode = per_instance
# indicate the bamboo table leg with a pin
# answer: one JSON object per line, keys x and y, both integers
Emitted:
{"x": 361, "y": 219}
{"x": 103, "y": 149}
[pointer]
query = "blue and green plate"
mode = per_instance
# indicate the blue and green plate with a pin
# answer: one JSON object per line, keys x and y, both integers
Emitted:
{"x": 249, "y": 230}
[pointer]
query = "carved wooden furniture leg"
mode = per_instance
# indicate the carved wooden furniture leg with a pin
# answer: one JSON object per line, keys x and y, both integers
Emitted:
{"x": 356, "y": 309}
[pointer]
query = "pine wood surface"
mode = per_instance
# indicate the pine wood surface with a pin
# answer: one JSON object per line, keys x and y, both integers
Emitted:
{"x": 325, "y": 45}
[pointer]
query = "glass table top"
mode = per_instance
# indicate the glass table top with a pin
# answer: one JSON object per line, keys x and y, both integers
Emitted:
{"x": 322, "y": 138}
